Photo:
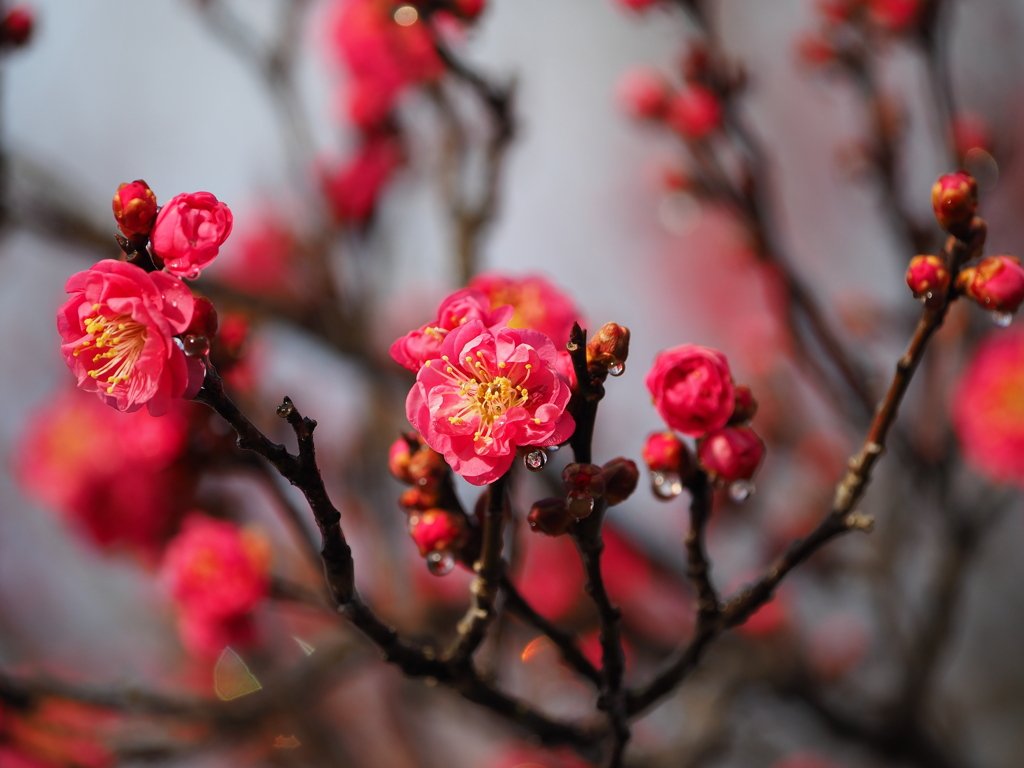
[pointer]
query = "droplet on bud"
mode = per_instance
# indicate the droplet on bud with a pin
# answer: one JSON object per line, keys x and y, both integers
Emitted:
{"x": 580, "y": 505}
{"x": 285, "y": 409}
{"x": 740, "y": 490}
{"x": 1002, "y": 319}
{"x": 195, "y": 345}
{"x": 193, "y": 274}
{"x": 414, "y": 520}
{"x": 666, "y": 485}
{"x": 552, "y": 448}
{"x": 440, "y": 563}
{"x": 572, "y": 346}
{"x": 535, "y": 460}
{"x": 617, "y": 370}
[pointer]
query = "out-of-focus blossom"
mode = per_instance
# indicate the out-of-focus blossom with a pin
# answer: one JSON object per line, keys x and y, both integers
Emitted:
{"x": 416, "y": 347}
{"x": 111, "y": 475}
{"x": 895, "y": 15}
{"x": 17, "y": 26}
{"x": 643, "y": 93}
{"x": 382, "y": 57}
{"x": 135, "y": 208}
{"x": 694, "y": 113}
{"x": 536, "y": 302}
{"x": 988, "y": 408}
{"x": 353, "y": 189}
{"x": 118, "y": 329}
{"x": 997, "y": 283}
{"x": 637, "y": 5}
{"x": 56, "y": 734}
{"x": 260, "y": 259}
{"x": 189, "y": 231}
{"x": 804, "y": 760}
{"x": 692, "y": 389}
{"x": 970, "y": 131}
{"x": 732, "y": 453}
{"x": 768, "y": 620}
{"x": 488, "y": 393}
{"x": 217, "y": 573}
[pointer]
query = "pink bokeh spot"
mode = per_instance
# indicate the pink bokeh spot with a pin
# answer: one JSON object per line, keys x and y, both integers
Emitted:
{"x": 487, "y": 393}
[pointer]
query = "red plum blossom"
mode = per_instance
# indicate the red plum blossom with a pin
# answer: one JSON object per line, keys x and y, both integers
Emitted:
{"x": 692, "y": 389}
{"x": 189, "y": 231}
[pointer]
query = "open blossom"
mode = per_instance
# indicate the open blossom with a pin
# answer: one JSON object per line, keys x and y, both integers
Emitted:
{"x": 218, "y": 573}
{"x": 536, "y": 302}
{"x": 353, "y": 189}
{"x": 118, "y": 329}
{"x": 189, "y": 231}
{"x": 416, "y": 347}
{"x": 988, "y": 408}
{"x": 692, "y": 389}
{"x": 488, "y": 392}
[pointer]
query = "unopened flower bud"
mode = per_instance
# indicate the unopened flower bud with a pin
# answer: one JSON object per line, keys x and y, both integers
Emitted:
{"x": 426, "y": 467}
{"x": 583, "y": 485}
{"x": 643, "y": 93}
{"x": 620, "y": 480}
{"x": 927, "y": 276}
{"x": 997, "y": 283}
{"x": 16, "y": 27}
{"x": 204, "y": 318}
{"x": 664, "y": 452}
{"x": 418, "y": 498}
{"x": 437, "y": 530}
{"x": 609, "y": 347}
{"x": 550, "y": 517}
{"x": 694, "y": 112}
{"x": 746, "y": 405}
{"x": 399, "y": 455}
{"x": 955, "y": 200}
{"x": 135, "y": 208}
{"x": 731, "y": 453}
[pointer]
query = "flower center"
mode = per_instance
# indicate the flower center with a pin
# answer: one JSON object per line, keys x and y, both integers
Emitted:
{"x": 485, "y": 396}
{"x": 117, "y": 342}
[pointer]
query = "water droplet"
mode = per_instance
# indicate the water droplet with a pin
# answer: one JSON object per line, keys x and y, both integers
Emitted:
{"x": 285, "y": 409}
{"x": 928, "y": 295}
{"x": 440, "y": 563}
{"x": 572, "y": 346}
{"x": 193, "y": 274}
{"x": 552, "y": 448}
{"x": 579, "y": 504}
{"x": 666, "y": 485}
{"x": 195, "y": 344}
{"x": 740, "y": 490}
{"x": 174, "y": 304}
{"x": 414, "y": 520}
{"x": 1002, "y": 319}
{"x": 617, "y": 370}
{"x": 535, "y": 460}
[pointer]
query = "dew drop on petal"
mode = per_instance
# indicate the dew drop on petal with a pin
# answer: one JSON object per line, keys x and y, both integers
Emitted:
{"x": 666, "y": 485}
{"x": 1002, "y": 319}
{"x": 195, "y": 344}
{"x": 740, "y": 490}
{"x": 193, "y": 274}
{"x": 535, "y": 460}
{"x": 440, "y": 563}
{"x": 617, "y": 370}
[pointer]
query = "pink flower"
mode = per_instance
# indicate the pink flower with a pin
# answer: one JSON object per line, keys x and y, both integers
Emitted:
{"x": 416, "y": 347}
{"x": 732, "y": 453}
{"x": 189, "y": 232}
{"x": 927, "y": 275}
{"x": 487, "y": 393}
{"x": 663, "y": 452}
{"x": 112, "y": 476}
{"x": 135, "y": 208}
{"x": 118, "y": 329}
{"x": 218, "y": 574}
{"x": 692, "y": 389}
{"x": 955, "y": 200}
{"x": 988, "y": 408}
{"x": 352, "y": 191}
{"x": 537, "y": 303}
{"x": 642, "y": 93}
{"x": 437, "y": 530}
{"x": 694, "y": 112}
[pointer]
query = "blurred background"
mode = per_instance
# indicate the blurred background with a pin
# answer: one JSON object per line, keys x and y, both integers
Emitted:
{"x": 172, "y": 91}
